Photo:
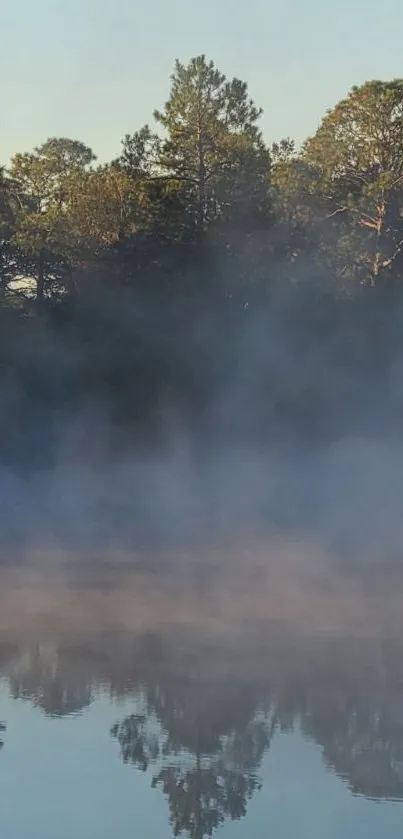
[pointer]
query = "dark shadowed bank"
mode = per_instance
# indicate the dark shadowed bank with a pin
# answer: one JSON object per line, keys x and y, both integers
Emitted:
{"x": 266, "y": 430}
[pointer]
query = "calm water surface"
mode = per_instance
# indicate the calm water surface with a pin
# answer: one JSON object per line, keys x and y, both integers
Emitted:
{"x": 249, "y": 699}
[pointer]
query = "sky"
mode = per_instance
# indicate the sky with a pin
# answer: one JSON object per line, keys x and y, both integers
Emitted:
{"x": 94, "y": 70}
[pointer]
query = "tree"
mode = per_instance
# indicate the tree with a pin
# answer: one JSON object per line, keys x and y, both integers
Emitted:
{"x": 356, "y": 167}
{"x": 7, "y": 226}
{"x": 103, "y": 208}
{"x": 212, "y": 139}
{"x": 42, "y": 185}
{"x": 139, "y": 155}
{"x": 309, "y": 248}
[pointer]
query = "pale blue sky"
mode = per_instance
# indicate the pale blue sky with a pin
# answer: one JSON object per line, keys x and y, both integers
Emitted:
{"x": 96, "y": 69}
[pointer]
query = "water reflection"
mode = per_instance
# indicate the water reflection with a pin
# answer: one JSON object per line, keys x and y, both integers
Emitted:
{"x": 208, "y": 698}
{"x": 204, "y": 743}
{"x": 55, "y": 682}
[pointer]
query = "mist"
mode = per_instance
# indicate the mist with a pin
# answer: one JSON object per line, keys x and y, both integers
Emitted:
{"x": 201, "y": 341}
{"x": 251, "y": 425}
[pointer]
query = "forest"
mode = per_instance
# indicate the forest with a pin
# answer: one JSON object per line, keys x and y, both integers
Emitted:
{"x": 203, "y": 279}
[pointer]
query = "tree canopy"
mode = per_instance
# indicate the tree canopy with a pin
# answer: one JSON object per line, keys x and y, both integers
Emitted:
{"x": 148, "y": 274}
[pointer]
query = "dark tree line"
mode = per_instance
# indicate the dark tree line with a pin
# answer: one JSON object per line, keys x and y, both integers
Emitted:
{"x": 250, "y": 288}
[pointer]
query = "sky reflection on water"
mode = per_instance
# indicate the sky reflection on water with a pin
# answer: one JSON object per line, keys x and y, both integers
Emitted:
{"x": 242, "y": 726}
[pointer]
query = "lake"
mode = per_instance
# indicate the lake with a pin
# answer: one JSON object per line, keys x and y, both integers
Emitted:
{"x": 244, "y": 693}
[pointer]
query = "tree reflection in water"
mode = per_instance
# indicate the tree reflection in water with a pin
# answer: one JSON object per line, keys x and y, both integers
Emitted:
{"x": 208, "y": 780}
{"x": 203, "y": 742}
{"x": 204, "y": 751}
{"x": 205, "y": 712}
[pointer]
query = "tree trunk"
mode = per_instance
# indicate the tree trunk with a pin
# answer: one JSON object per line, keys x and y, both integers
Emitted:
{"x": 377, "y": 258}
{"x": 40, "y": 280}
{"x": 201, "y": 185}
